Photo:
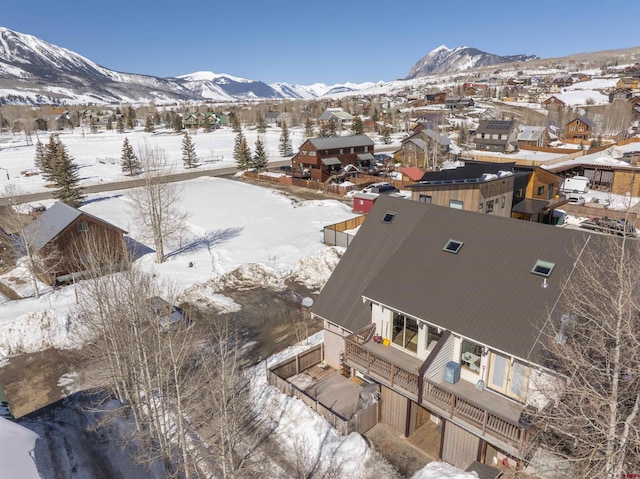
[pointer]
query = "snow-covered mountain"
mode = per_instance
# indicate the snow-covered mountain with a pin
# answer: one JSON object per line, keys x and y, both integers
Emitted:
{"x": 35, "y": 71}
{"x": 447, "y": 60}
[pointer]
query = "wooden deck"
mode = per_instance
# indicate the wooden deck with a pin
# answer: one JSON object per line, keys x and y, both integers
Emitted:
{"x": 330, "y": 388}
{"x": 427, "y": 439}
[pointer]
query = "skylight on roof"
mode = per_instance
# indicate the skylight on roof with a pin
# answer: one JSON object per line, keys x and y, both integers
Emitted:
{"x": 453, "y": 246}
{"x": 543, "y": 268}
{"x": 388, "y": 217}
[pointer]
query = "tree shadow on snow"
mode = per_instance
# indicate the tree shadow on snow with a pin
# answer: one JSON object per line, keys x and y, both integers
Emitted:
{"x": 136, "y": 250}
{"x": 209, "y": 240}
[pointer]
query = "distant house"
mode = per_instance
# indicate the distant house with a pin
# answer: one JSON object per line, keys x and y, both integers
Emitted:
{"x": 411, "y": 173}
{"x": 458, "y": 102}
{"x": 424, "y": 148}
{"x": 435, "y": 98}
{"x": 336, "y": 115}
{"x": 479, "y": 187}
{"x": 320, "y": 158}
{"x": 532, "y": 136}
{"x": 562, "y": 81}
{"x": 66, "y": 240}
{"x": 620, "y": 94}
{"x": 632, "y": 83}
{"x": 497, "y": 135}
{"x": 553, "y": 102}
{"x": 579, "y": 128}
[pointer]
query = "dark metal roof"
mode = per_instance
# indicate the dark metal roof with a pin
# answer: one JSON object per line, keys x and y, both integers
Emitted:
{"x": 495, "y": 126}
{"x": 341, "y": 142}
{"x": 486, "y": 292}
{"x": 53, "y": 221}
{"x": 331, "y": 160}
{"x": 470, "y": 171}
{"x": 529, "y": 206}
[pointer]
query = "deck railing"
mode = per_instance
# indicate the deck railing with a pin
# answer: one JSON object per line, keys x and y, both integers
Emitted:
{"x": 436, "y": 397}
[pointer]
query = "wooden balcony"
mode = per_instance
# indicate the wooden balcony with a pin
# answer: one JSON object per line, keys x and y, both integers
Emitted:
{"x": 483, "y": 413}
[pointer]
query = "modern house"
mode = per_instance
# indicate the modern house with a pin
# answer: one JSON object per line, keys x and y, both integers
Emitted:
{"x": 536, "y": 194}
{"x": 443, "y": 310}
{"x": 497, "y": 135}
{"x": 580, "y": 128}
{"x": 532, "y": 136}
{"x": 66, "y": 239}
{"x": 480, "y": 187}
{"x": 320, "y": 158}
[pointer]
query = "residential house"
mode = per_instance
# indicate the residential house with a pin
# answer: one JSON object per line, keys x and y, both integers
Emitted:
{"x": 631, "y": 83}
{"x": 442, "y": 311}
{"x": 553, "y": 102}
{"x": 335, "y": 115}
{"x": 66, "y": 239}
{"x": 425, "y": 148}
{"x": 411, "y": 174}
{"x": 497, "y": 135}
{"x": 320, "y": 158}
{"x": 562, "y": 81}
{"x": 620, "y": 94}
{"x": 482, "y": 187}
{"x": 194, "y": 120}
{"x": 580, "y": 128}
{"x": 458, "y": 102}
{"x": 532, "y": 136}
{"x": 435, "y": 98}
{"x": 536, "y": 194}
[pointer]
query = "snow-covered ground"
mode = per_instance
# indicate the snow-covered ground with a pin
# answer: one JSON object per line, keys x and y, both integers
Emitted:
{"x": 266, "y": 235}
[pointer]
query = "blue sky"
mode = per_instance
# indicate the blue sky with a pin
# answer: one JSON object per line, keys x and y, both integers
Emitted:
{"x": 303, "y": 42}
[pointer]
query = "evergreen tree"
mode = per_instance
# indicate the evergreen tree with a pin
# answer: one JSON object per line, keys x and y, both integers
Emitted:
{"x": 92, "y": 125}
{"x": 308, "y": 128}
{"x": 189, "y": 156}
{"x": 324, "y": 130}
{"x": 285, "y": 141}
{"x": 262, "y": 125}
{"x": 39, "y": 158}
{"x": 235, "y": 123}
{"x": 129, "y": 160}
{"x": 357, "y": 128}
{"x": 177, "y": 123}
{"x": 120, "y": 125}
{"x": 63, "y": 173}
{"x": 130, "y": 117}
{"x": 148, "y": 125}
{"x": 386, "y": 135}
{"x": 260, "y": 160}
{"x": 242, "y": 152}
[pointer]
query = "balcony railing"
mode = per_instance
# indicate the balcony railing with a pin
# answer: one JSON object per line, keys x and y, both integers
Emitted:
{"x": 459, "y": 408}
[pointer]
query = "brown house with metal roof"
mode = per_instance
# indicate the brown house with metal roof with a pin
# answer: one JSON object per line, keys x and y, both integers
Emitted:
{"x": 319, "y": 158}
{"x": 442, "y": 309}
{"x": 67, "y": 240}
{"x": 580, "y": 128}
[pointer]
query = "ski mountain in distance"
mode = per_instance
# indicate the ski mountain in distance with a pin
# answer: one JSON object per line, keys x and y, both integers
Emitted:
{"x": 37, "y": 72}
{"x": 447, "y": 60}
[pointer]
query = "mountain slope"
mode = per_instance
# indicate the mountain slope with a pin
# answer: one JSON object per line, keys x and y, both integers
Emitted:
{"x": 446, "y": 60}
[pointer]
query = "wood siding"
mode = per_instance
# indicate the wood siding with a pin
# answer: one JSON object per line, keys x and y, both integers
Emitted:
{"x": 459, "y": 447}
{"x": 393, "y": 409}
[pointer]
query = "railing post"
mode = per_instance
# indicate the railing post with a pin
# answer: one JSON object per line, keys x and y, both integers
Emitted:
{"x": 484, "y": 421}
{"x": 368, "y": 362}
{"x": 452, "y": 403}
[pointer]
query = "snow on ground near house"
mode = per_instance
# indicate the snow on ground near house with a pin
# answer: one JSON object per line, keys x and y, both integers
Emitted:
{"x": 231, "y": 224}
{"x": 595, "y": 84}
{"x": 583, "y": 97}
{"x": 18, "y": 443}
{"x": 297, "y": 425}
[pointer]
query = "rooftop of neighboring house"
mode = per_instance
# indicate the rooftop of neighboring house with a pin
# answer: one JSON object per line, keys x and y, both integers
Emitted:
{"x": 498, "y": 289}
{"x": 337, "y": 113}
{"x": 467, "y": 173}
{"x": 334, "y": 142}
{"x": 531, "y": 133}
{"x": 495, "y": 126}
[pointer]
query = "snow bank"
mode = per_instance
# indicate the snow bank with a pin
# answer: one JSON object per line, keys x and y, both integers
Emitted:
{"x": 442, "y": 470}
{"x": 16, "y": 452}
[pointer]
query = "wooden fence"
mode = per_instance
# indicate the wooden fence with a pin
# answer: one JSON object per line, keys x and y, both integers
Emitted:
{"x": 335, "y": 234}
{"x": 360, "y": 422}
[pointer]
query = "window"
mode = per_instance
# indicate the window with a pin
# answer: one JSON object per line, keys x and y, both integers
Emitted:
{"x": 341, "y": 151}
{"x": 388, "y": 217}
{"x": 352, "y": 151}
{"x": 366, "y": 149}
{"x": 503, "y": 202}
{"x": 481, "y": 207}
{"x": 312, "y": 153}
{"x": 520, "y": 193}
{"x": 424, "y": 199}
{"x": 432, "y": 337}
{"x": 540, "y": 190}
{"x": 453, "y": 246}
{"x": 405, "y": 332}
{"x": 550, "y": 191}
{"x": 456, "y": 204}
{"x": 543, "y": 268}
{"x": 83, "y": 227}
{"x": 489, "y": 207}
{"x": 470, "y": 355}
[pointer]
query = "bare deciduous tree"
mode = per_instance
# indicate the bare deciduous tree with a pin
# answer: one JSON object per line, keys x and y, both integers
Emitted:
{"x": 156, "y": 202}
{"x": 595, "y": 347}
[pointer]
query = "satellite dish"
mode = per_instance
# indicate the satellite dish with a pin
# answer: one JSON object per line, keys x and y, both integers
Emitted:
{"x": 307, "y": 302}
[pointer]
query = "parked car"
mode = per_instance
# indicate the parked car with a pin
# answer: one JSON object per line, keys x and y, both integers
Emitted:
{"x": 373, "y": 186}
{"x": 169, "y": 315}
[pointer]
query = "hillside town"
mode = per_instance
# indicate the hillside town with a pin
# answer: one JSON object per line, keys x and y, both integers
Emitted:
{"x": 433, "y": 277}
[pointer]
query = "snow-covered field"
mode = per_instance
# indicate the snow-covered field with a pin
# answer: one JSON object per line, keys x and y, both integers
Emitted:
{"x": 266, "y": 235}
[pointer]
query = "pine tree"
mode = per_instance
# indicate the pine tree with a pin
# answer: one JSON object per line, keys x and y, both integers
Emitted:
{"x": 189, "y": 156}
{"x": 235, "y": 123}
{"x": 120, "y": 124}
{"x": 357, "y": 128}
{"x": 63, "y": 173}
{"x": 260, "y": 160}
{"x": 148, "y": 125}
{"x": 129, "y": 160}
{"x": 177, "y": 123}
{"x": 262, "y": 125}
{"x": 92, "y": 125}
{"x": 242, "y": 152}
{"x": 39, "y": 158}
{"x": 285, "y": 141}
{"x": 130, "y": 117}
{"x": 386, "y": 135}
{"x": 332, "y": 128}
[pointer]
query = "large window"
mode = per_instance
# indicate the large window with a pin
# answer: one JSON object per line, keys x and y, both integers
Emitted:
{"x": 424, "y": 199}
{"x": 405, "y": 332}
{"x": 456, "y": 204}
{"x": 489, "y": 208}
{"x": 508, "y": 376}
{"x": 470, "y": 355}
